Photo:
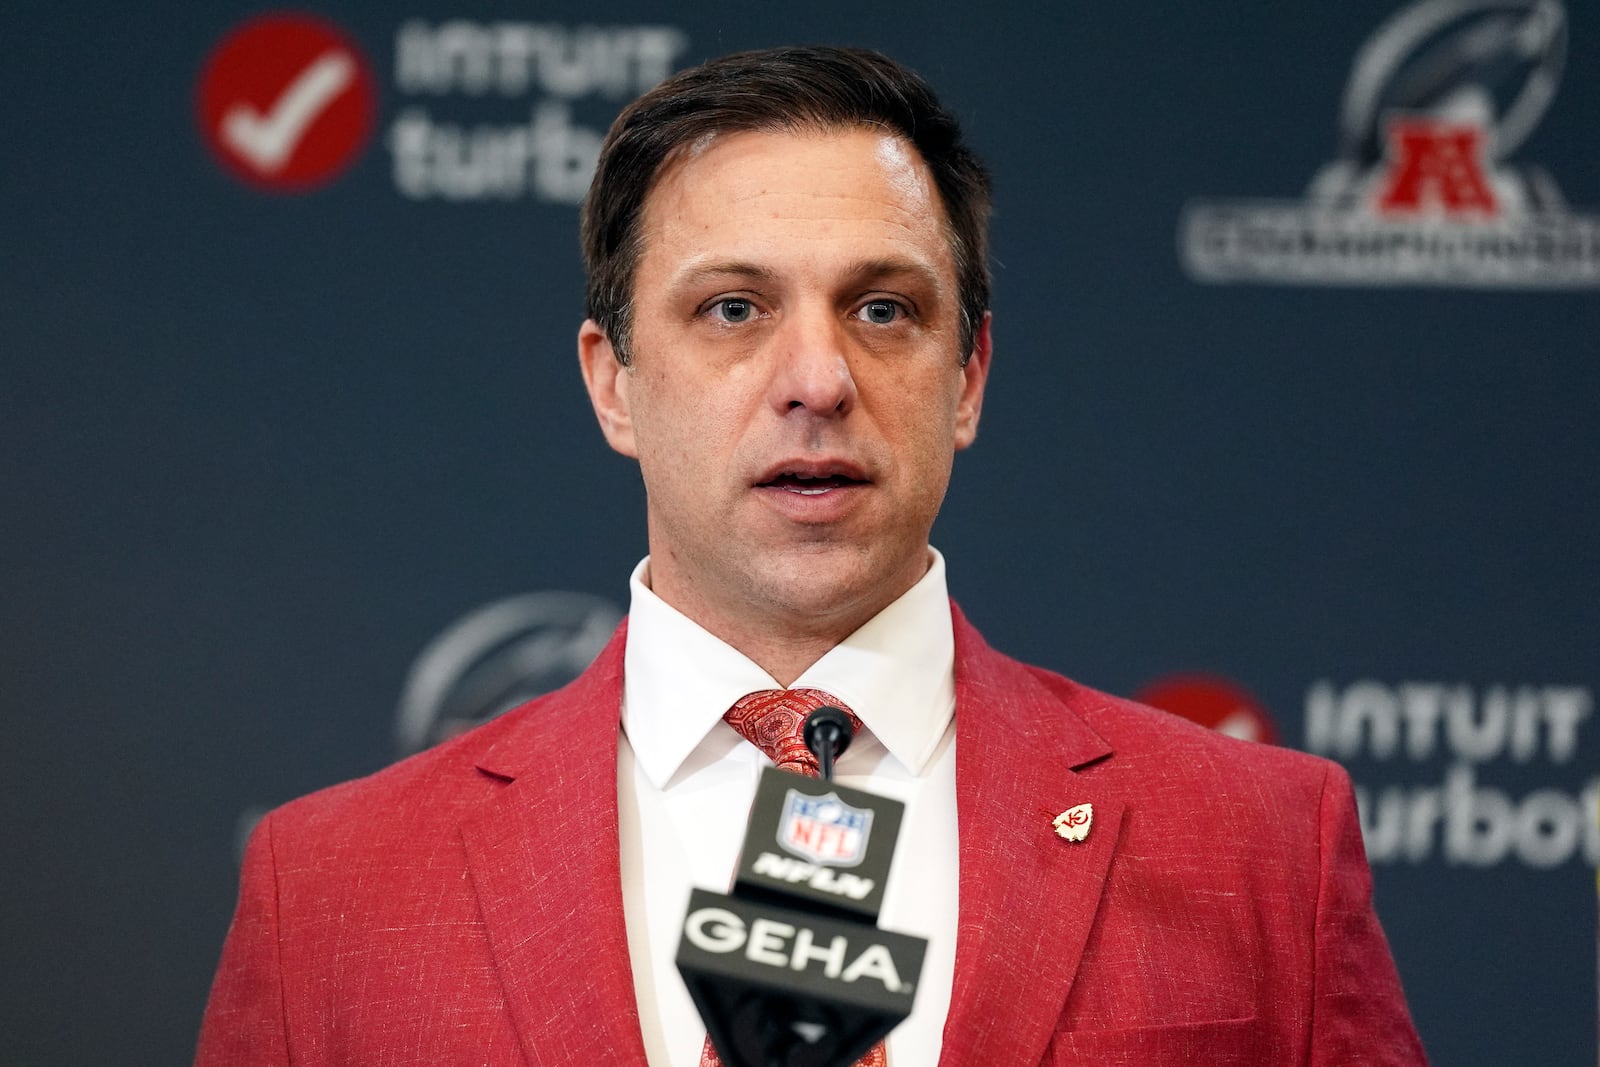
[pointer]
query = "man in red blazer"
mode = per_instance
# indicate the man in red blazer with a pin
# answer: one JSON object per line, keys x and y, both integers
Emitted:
{"x": 788, "y": 329}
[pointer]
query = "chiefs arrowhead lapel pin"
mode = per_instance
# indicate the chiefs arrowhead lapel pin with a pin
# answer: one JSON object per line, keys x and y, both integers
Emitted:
{"x": 1073, "y": 824}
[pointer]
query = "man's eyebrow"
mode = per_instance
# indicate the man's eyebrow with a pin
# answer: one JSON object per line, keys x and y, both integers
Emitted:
{"x": 919, "y": 279}
{"x": 894, "y": 266}
{"x": 862, "y": 271}
{"x": 705, "y": 272}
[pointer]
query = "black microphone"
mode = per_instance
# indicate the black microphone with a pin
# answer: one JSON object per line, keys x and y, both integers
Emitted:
{"x": 790, "y": 970}
{"x": 827, "y": 733}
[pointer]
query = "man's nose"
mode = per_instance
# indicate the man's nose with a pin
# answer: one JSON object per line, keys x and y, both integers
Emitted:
{"x": 812, "y": 369}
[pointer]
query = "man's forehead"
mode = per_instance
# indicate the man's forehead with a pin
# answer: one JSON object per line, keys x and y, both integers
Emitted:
{"x": 769, "y": 179}
{"x": 894, "y": 154}
{"x": 895, "y": 144}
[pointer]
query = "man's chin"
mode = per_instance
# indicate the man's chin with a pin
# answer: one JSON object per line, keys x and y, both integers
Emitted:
{"x": 839, "y": 587}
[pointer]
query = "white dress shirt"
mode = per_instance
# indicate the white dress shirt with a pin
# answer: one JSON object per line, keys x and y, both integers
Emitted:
{"x": 685, "y": 781}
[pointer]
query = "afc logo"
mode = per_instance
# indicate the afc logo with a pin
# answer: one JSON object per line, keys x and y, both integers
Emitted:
{"x": 1438, "y": 167}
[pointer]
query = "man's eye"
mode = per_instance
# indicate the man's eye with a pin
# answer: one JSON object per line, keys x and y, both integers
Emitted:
{"x": 734, "y": 310}
{"x": 881, "y": 312}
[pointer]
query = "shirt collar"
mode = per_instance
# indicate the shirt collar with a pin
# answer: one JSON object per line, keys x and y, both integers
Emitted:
{"x": 896, "y": 673}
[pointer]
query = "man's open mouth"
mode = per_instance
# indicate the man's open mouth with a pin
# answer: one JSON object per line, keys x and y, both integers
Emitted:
{"x": 811, "y": 481}
{"x": 809, "y": 486}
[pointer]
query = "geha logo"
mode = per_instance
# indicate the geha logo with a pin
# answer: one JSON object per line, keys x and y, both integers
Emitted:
{"x": 781, "y": 945}
{"x": 1423, "y": 191}
{"x": 286, "y": 102}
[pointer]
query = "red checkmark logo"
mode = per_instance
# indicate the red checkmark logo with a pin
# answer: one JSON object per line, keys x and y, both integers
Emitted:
{"x": 286, "y": 101}
{"x": 1214, "y": 702}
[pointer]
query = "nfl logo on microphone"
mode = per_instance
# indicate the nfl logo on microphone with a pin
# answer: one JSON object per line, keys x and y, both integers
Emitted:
{"x": 824, "y": 829}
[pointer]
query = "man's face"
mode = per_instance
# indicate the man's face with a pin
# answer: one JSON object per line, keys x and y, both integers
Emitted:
{"x": 796, "y": 391}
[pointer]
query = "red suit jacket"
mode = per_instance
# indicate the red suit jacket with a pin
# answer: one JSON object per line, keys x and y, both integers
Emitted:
{"x": 465, "y": 906}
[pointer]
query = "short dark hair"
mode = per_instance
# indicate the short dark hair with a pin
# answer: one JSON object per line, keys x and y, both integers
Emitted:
{"x": 776, "y": 89}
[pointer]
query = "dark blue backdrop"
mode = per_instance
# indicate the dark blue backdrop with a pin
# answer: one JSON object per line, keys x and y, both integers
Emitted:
{"x": 260, "y": 450}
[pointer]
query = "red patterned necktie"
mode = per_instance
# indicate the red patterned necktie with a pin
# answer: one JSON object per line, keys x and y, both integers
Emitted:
{"x": 772, "y": 720}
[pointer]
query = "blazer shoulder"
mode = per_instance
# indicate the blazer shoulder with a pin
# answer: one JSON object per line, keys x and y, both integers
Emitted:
{"x": 441, "y": 780}
{"x": 429, "y": 788}
{"x": 1122, "y": 738}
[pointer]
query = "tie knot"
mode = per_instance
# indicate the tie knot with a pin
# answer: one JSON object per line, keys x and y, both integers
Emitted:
{"x": 772, "y": 720}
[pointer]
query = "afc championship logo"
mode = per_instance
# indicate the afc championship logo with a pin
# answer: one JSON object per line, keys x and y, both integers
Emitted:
{"x": 1423, "y": 191}
{"x": 824, "y": 830}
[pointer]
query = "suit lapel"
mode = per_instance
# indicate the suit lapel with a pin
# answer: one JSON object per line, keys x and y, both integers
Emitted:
{"x": 1028, "y": 897}
{"x": 543, "y": 857}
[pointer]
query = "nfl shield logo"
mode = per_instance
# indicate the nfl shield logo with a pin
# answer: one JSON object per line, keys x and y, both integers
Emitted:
{"x": 824, "y": 829}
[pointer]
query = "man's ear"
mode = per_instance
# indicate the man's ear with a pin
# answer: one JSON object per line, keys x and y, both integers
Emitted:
{"x": 974, "y": 373}
{"x": 607, "y": 381}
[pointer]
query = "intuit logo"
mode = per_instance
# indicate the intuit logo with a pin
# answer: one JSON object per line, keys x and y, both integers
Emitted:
{"x": 1482, "y": 737}
{"x": 480, "y": 112}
